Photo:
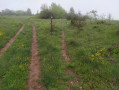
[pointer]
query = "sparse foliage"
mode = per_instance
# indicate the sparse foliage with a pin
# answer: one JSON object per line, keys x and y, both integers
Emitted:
{"x": 8, "y": 12}
{"x": 55, "y": 10}
{"x": 94, "y": 13}
{"x": 44, "y": 7}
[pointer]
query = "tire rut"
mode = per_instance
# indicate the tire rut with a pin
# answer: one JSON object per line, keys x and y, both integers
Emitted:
{"x": 75, "y": 80}
{"x": 32, "y": 82}
{"x": 10, "y": 41}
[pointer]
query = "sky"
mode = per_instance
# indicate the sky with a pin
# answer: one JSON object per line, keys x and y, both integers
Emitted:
{"x": 104, "y": 7}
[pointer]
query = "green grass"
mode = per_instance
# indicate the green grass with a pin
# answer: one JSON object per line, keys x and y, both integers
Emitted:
{"x": 15, "y": 61}
{"x": 8, "y": 28}
{"x": 94, "y": 54}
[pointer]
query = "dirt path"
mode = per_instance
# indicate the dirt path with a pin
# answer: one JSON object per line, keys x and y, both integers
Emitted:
{"x": 75, "y": 80}
{"x": 10, "y": 41}
{"x": 64, "y": 47}
{"x": 32, "y": 83}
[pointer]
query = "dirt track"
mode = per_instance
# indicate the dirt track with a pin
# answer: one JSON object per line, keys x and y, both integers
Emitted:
{"x": 75, "y": 80}
{"x": 34, "y": 67}
{"x": 10, "y": 41}
{"x": 64, "y": 54}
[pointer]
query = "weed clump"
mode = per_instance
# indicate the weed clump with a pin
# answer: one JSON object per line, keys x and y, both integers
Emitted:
{"x": 73, "y": 43}
{"x": 95, "y": 26}
{"x": 101, "y": 22}
{"x": 117, "y": 33}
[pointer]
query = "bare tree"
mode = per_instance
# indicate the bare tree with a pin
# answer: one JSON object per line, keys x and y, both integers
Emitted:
{"x": 72, "y": 10}
{"x": 109, "y": 17}
{"x": 103, "y": 17}
{"x": 94, "y": 14}
{"x": 44, "y": 7}
{"x": 29, "y": 12}
{"x": 37, "y": 11}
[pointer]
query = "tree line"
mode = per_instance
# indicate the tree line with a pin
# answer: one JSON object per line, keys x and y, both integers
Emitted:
{"x": 8, "y": 12}
{"x": 57, "y": 12}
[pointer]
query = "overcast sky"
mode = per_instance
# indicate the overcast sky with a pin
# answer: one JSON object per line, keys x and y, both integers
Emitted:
{"x": 102, "y": 6}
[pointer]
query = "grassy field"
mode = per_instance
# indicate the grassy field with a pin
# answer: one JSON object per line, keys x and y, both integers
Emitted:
{"x": 15, "y": 61}
{"x": 93, "y": 50}
{"x": 8, "y": 28}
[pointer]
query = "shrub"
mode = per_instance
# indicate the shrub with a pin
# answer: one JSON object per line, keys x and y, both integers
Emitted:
{"x": 95, "y": 26}
{"x": 73, "y": 43}
{"x": 117, "y": 33}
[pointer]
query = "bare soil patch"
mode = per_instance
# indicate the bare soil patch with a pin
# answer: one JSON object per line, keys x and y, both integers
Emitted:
{"x": 34, "y": 67}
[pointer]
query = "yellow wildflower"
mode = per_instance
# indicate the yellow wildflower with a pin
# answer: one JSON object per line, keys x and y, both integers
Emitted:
{"x": 97, "y": 54}
{"x": 1, "y": 33}
{"x": 22, "y": 45}
{"x": 92, "y": 55}
{"x": 102, "y": 49}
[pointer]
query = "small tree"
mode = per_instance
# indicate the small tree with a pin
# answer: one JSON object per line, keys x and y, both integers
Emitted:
{"x": 57, "y": 11}
{"x": 94, "y": 14}
{"x": 29, "y": 12}
{"x": 45, "y": 14}
{"x": 72, "y": 11}
{"x": 71, "y": 15}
